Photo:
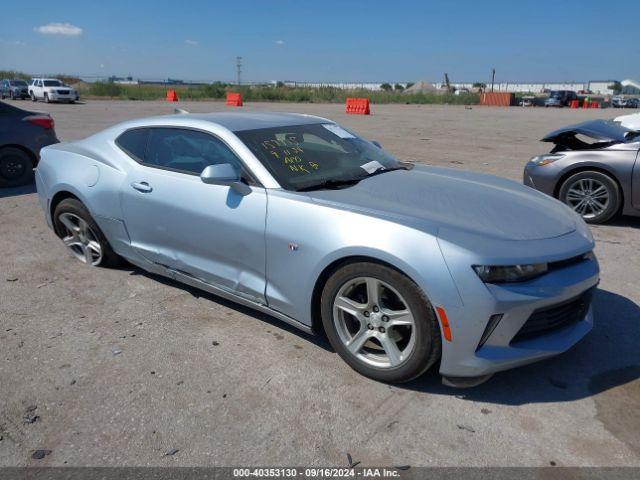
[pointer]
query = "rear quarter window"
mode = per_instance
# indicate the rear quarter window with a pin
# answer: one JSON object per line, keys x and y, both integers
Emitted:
{"x": 134, "y": 143}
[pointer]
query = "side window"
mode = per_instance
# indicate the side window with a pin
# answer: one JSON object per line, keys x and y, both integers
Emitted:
{"x": 134, "y": 142}
{"x": 187, "y": 151}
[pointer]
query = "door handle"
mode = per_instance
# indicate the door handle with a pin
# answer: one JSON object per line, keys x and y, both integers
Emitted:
{"x": 143, "y": 187}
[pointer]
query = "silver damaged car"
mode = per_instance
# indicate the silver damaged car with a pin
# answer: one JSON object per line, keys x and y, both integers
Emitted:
{"x": 401, "y": 266}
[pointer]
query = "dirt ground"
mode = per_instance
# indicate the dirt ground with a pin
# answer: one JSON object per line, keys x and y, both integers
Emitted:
{"x": 116, "y": 367}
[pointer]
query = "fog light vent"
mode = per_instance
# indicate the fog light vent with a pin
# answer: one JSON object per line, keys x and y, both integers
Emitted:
{"x": 493, "y": 322}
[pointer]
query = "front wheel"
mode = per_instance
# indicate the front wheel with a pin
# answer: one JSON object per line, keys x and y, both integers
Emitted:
{"x": 81, "y": 235}
{"x": 593, "y": 195}
{"x": 46, "y": 98}
{"x": 380, "y": 322}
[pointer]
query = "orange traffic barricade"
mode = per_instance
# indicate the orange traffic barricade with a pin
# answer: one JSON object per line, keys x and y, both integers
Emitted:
{"x": 234, "y": 99}
{"x": 172, "y": 96}
{"x": 358, "y": 106}
{"x": 575, "y": 104}
{"x": 595, "y": 104}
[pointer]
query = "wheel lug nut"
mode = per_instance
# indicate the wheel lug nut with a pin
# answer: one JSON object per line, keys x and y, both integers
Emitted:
{"x": 381, "y": 329}
{"x": 375, "y": 308}
{"x": 366, "y": 314}
{"x": 385, "y": 318}
{"x": 369, "y": 326}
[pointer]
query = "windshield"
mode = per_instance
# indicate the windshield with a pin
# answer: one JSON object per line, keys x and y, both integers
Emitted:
{"x": 556, "y": 94}
{"x": 303, "y": 156}
{"x": 52, "y": 83}
{"x": 18, "y": 83}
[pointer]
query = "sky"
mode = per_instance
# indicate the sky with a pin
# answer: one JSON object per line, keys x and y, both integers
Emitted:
{"x": 325, "y": 40}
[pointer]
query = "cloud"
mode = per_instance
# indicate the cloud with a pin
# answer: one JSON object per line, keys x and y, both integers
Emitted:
{"x": 191, "y": 42}
{"x": 59, "y": 29}
{"x": 279, "y": 43}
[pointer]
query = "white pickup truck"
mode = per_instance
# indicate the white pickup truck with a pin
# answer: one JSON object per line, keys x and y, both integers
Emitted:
{"x": 51, "y": 90}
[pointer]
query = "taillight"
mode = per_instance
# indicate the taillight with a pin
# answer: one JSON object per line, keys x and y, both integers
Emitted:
{"x": 43, "y": 121}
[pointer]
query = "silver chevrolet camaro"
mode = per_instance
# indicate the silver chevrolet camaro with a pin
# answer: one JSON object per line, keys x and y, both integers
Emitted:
{"x": 400, "y": 265}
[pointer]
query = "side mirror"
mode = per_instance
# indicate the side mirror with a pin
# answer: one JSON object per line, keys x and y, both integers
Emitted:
{"x": 376, "y": 143}
{"x": 224, "y": 174}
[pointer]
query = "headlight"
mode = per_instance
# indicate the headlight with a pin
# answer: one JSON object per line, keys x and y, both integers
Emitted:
{"x": 542, "y": 160}
{"x": 509, "y": 273}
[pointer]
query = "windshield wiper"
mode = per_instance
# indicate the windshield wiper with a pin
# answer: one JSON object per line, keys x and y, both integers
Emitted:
{"x": 378, "y": 171}
{"x": 330, "y": 184}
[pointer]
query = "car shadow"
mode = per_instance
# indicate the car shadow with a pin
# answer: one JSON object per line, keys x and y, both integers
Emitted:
{"x": 6, "y": 192}
{"x": 624, "y": 221}
{"x": 318, "y": 340}
{"x": 606, "y": 358}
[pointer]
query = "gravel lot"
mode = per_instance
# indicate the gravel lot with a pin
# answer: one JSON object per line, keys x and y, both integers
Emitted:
{"x": 124, "y": 367}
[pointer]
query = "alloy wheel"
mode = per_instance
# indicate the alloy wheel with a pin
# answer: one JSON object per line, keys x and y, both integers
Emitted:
{"x": 80, "y": 238}
{"x": 374, "y": 322}
{"x": 588, "y": 197}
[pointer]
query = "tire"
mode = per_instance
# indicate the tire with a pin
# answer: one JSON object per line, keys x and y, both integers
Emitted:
{"x": 602, "y": 191}
{"x": 70, "y": 216}
{"x": 33, "y": 97}
{"x": 417, "y": 346}
{"x": 2, "y": 96}
{"x": 16, "y": 167}
{"x": 46, "y": 98}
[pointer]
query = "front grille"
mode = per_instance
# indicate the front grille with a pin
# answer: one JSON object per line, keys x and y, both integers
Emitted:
{"x": 547, "y": 319}
{"x": 63, "y": 92}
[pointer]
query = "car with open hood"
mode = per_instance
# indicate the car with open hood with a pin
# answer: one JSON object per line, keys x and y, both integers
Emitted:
{"x": 593, "y": 168}
{"x": 401, "y": 266}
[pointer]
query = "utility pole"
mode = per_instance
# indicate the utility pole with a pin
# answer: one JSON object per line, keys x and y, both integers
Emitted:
{"x": 239, "y": 68}
{"x": 493, "y": 77}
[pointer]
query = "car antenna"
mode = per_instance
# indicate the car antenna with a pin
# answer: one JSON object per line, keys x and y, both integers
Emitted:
{"x": 179, "y": 111}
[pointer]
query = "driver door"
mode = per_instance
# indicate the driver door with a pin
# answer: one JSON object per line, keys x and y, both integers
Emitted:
{"x": 210, "y": 232}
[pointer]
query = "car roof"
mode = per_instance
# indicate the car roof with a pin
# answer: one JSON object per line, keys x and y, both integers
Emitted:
{"x": 239, "y": 121}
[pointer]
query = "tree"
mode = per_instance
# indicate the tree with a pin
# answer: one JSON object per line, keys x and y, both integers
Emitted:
{"x": 398, "y": 88}
{"x": 616, "y": 87}
{"x": 480, "y": 86}
{"x": 386, "y": 87}
{"x": 410, "y": 84}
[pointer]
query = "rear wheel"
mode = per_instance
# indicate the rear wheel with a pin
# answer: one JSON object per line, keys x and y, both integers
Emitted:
{"x": 81, "y": 235}
{"x": 380, "y": 322}
{"x": 33, "y": 97}
{"x": 16, "y": 167}
{"x": 593, "y": 195}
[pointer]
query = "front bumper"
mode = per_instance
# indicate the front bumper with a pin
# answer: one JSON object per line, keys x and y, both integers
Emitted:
{"x": 57, "y": 97}
{"x": 516, "y": 302}
{"x": 543, "y": 179}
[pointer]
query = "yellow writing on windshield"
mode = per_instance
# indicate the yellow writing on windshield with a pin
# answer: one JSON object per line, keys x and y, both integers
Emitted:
{"x": 290, "y": 154}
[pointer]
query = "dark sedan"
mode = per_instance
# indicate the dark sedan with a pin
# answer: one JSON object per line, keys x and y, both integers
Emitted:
{"x": 593, "y": 168}
{"x": 13, "y": 89}
{"x": 22, "y": 135}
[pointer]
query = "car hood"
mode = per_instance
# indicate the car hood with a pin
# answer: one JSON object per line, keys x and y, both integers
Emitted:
{"x": 431, "y": 198}
{"x": 603, "y": 130}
